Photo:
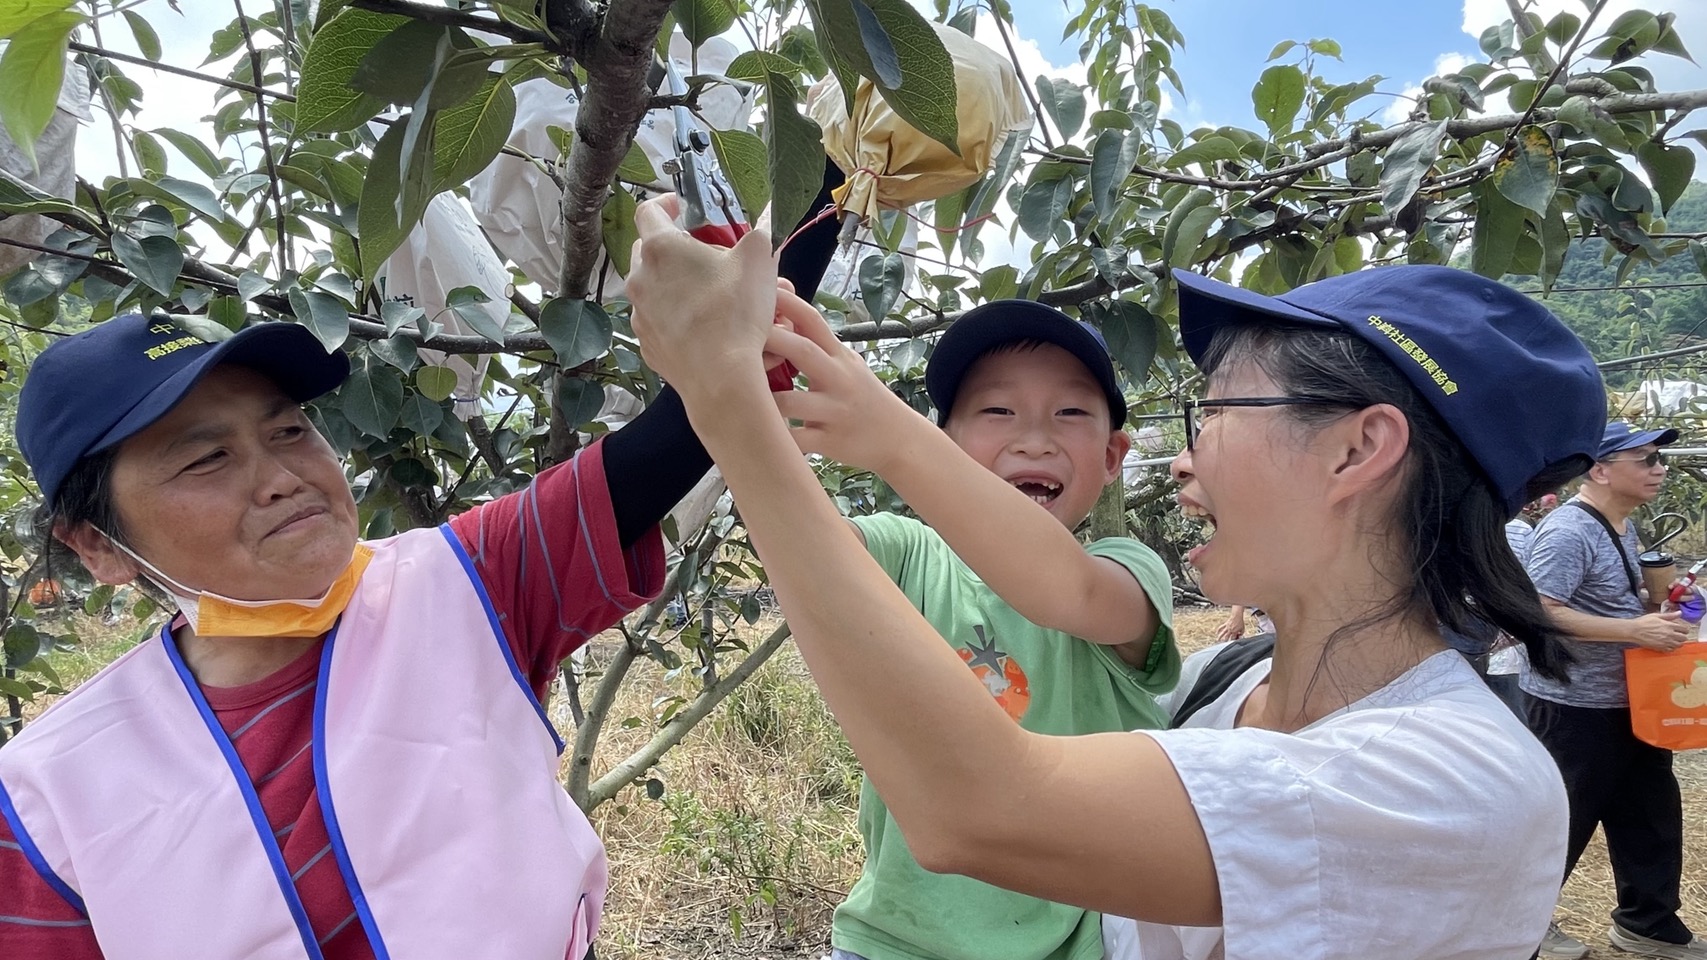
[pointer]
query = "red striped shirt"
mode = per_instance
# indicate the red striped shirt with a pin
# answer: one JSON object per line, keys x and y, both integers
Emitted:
{"x": 535, "y": 551}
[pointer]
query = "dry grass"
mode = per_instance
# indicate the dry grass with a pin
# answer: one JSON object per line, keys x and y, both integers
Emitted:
{"x": 755, "y": 839}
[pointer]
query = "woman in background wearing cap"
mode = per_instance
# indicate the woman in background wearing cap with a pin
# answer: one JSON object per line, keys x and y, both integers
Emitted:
{"x": 367, "y": 773}
{"x": 1336, "y": 801}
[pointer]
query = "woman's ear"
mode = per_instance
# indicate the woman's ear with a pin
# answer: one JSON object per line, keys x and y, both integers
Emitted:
{"x": 100, "y": 556}
{"x": 1368, "y": 446}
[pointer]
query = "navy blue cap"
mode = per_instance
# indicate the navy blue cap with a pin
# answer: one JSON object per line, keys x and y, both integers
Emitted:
{"x": 95, "y": 389}
{"x": 1510, "y": 380}
{"x": 1622, "y": 436}
{"x": 987, "y": 326}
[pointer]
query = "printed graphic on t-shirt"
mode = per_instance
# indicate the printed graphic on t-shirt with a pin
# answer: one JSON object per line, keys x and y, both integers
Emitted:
{"x": 1000, "y": 673}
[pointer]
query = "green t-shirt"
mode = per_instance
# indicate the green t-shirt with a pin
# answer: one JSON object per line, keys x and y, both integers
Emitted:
{"x": 1048, "y": 681}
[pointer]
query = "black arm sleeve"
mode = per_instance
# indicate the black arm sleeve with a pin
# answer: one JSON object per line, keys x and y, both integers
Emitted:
{"x": 651, "y": 464}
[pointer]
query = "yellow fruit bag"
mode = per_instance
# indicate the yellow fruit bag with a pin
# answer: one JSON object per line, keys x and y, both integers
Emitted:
{"x": 1668, "y": 695}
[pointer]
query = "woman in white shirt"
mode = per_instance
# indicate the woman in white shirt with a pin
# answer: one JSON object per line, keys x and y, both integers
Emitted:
{"x": 1362, "y": 443}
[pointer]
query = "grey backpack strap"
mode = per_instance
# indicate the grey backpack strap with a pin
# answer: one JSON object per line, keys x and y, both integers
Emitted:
{"x": 1228, "y": 666}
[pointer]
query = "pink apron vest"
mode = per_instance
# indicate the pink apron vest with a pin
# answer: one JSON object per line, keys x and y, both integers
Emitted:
{"x": 437, "y": 775}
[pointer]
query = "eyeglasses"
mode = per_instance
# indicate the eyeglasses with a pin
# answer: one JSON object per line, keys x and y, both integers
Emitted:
{"x": 1191, "y": 427}
{"x": 1650, "y": 461}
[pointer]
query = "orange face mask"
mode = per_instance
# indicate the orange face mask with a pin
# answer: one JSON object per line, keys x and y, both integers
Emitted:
{"x": 212, "y": 615}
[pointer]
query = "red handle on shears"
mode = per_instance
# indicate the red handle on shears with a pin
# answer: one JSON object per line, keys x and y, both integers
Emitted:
{"x": 780, "y": 377}
{"x": 1682, "y": 587}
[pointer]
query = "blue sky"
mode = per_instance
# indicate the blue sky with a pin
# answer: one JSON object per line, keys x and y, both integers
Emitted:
{"x": 1405, "y": 41}
{"x": 1227, "y": 42}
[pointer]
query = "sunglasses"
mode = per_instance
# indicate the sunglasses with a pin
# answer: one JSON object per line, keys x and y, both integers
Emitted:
{"x": 1193, "y": 416}
{"x": 1650, "y": 461}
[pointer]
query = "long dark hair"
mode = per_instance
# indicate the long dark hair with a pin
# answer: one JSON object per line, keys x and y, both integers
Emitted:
{"x": 1452, "y": 520}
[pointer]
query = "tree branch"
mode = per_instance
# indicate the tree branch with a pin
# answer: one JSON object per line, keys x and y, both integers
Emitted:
{"x": 587, "y": 734}
{"x": 468, "y": 21}
{"x": 684, "y": 721}
{"x": 616, "y": 101}
{"x": 1329, "y": 151}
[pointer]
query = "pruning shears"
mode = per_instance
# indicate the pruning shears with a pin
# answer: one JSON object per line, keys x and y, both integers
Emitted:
{"x": 709, "y": 211}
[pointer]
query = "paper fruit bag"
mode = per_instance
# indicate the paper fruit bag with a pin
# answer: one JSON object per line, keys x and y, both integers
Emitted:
{"x": 1668, "y": 695}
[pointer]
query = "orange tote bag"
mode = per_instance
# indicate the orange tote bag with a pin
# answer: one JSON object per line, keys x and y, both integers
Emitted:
{"x": 1668, "y": 695}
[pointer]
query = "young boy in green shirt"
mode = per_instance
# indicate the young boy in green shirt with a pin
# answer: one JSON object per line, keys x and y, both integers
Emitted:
{"x": 1068, "y": 639}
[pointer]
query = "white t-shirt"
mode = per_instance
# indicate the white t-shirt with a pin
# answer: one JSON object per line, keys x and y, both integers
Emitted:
{"x": 1423, "y": 821}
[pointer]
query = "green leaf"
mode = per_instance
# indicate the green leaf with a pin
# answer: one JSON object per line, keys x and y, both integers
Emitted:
{"x": 147, "y": 40}
{"x": 326, "y": 101}
{"x": 636, "y": 167}
{"x": 880, "y": 279}
{"x": 1669, "y": 41}
{"x": 701, "y": 20}
{"x": 193, "y": 195}
{"x": 1208, "y": 150}
{"x": 228, "y": 312}
{"x": 1112, "y": 157}
{"x": 436, "y": 382}
{"x": 1698, "y": 251}
{"x": 1325, "y": 47}
{"x": 616, "y": 227}
{"x": 468, "y": 136}
{"x": 579, "y": 330}
{"x": 193, "y": 150}
{"x": 421, "y": 416}
{"x": 1493, "y": 239}
{"x": 891, "y": 44}
{"x": 798, "y": 43}
{"x": 1131, "y": 334}
{"x": 794, "y": 145}
{"x": 1281, "y": 49}
{"x": 469, "y": 306}
{"x": 323, "y": 315}
{"x": 1043, "y": 207}
{"x": 579, "y": 400}
{"x": 372, "y": 399}
{"x": 420, "y": 58}
{"x": 155, "y": 260}
{"x": 388, "y": 210}
{"x": 1527, "y": 172}
{"x": 15, "y": 14}
{"x": 1407, "y": 161}
{"x": 1668, "y": 169}
{"x": 1592, "y": 120}
{"x": 1562, "y": 28}
{"x": 31, "y": 70}
{"x": 1064, "y": 101}
{"x": 742, "y": 157}
{"x": 1277, "y": 97}
{"x": 1188, "y": 224}
{"x": 400, "y": 352}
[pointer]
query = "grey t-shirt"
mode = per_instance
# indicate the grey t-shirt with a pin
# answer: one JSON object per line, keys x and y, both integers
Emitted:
{"x": 1572, "y": 560}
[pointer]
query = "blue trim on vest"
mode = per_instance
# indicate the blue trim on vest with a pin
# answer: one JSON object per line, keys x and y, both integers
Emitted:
{"x": 269, "y": 843}
{"x": 334, "y": 831}
{"x": 32, "y": 853}
{"x": 498, "y": 633}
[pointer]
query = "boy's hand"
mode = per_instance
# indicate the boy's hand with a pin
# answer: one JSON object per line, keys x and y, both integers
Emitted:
{"x": 846, "y": 413}
{"x": 702, "y": 312}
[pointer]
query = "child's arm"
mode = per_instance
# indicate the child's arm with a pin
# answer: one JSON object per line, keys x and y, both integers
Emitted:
{"x": 1022, "y": 552}
{"x": 1234, "y": 627}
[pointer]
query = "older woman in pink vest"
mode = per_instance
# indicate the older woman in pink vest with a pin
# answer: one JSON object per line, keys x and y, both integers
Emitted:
{"x": 336, "y": 748}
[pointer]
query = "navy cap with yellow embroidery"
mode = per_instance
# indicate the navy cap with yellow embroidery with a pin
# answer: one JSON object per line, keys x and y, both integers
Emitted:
{"x": 1512, "y": 382}
{"x": 90, "y": 391}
